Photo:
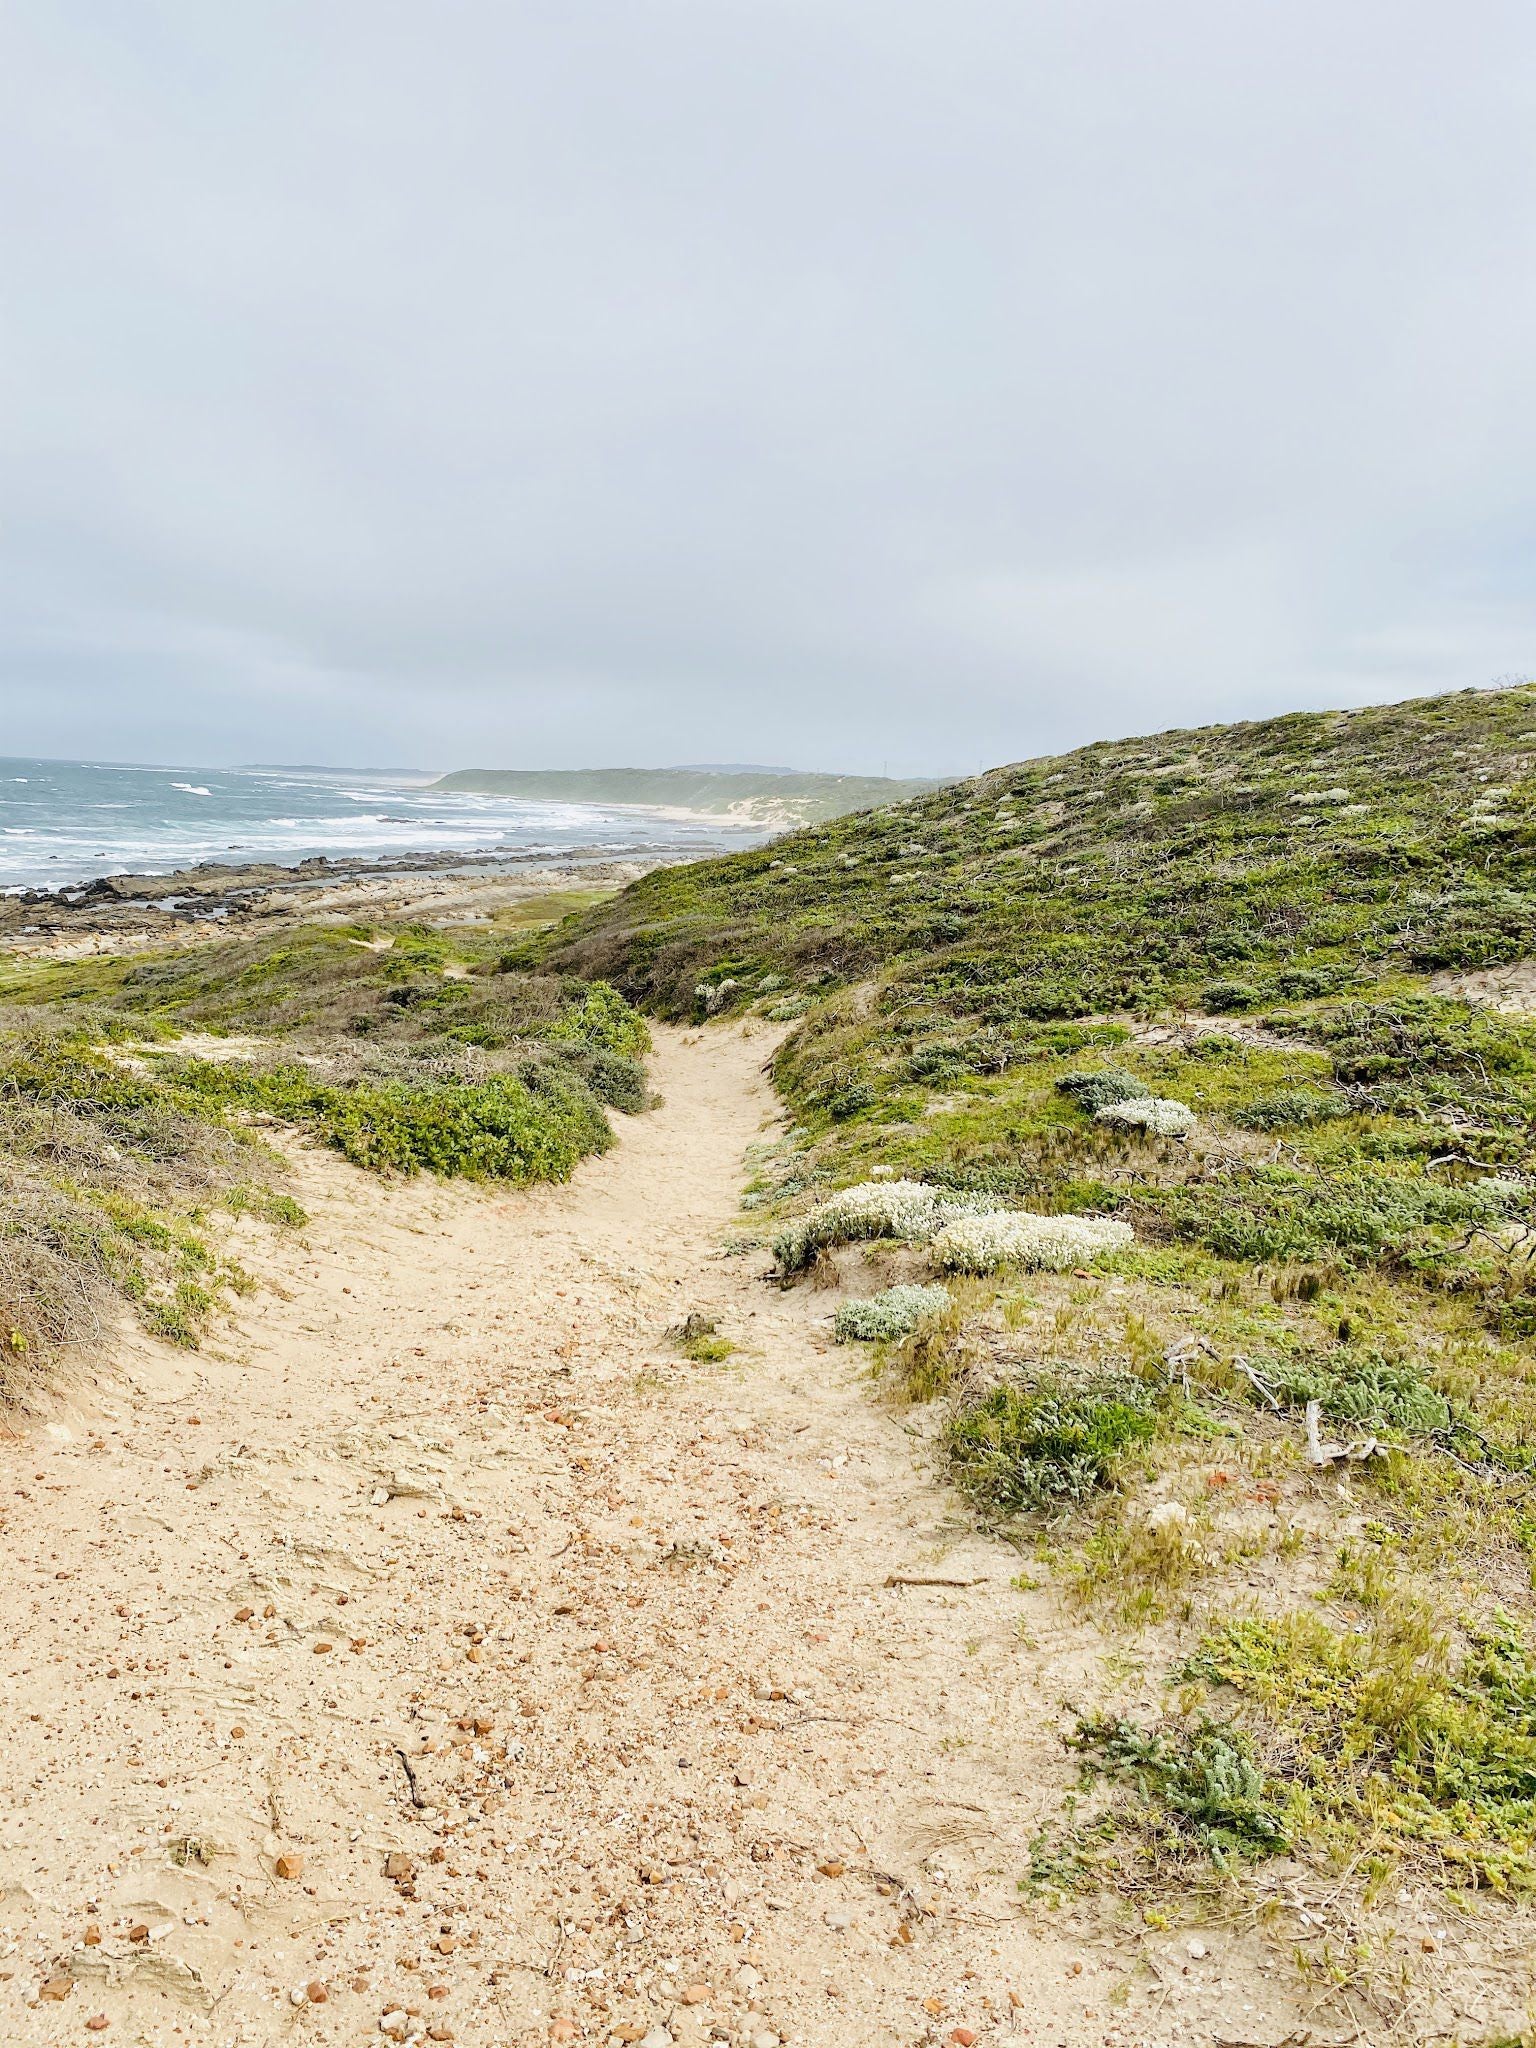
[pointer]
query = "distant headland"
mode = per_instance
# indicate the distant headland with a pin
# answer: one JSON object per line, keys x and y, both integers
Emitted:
{"x": 778, "y": 798}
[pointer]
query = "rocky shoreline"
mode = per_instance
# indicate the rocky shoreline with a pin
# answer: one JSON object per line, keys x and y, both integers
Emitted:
{"x": 136, "y": 912}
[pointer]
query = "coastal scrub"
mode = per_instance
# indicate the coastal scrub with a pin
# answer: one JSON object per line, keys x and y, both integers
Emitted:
{"x": 406, "y": 1051}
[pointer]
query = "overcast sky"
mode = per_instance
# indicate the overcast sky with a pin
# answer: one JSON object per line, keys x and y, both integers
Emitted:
{"x": 846, "y": 383}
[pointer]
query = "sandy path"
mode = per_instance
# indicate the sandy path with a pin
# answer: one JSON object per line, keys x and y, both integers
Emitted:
{"x": 451, "y": 1568}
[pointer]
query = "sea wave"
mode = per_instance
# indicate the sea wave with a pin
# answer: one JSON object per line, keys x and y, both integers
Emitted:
{"x": 80, "y": 819}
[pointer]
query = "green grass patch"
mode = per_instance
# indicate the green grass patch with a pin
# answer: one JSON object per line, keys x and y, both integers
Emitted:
{"x": 1390, "y": 1733}
{"x": 698, "y": 1338}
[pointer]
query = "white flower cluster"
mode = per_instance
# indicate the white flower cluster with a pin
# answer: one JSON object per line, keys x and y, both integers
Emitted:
{"x": 1007, "y": 1237}
{"x": 714, "y": 996}
{"x": 1158, "y": 1114}
{"x": 889, "y": 1314}
{"x": 905, "y": 1209}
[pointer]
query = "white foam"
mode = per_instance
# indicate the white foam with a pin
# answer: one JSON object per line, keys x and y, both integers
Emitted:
{"x": 75, "y": 832}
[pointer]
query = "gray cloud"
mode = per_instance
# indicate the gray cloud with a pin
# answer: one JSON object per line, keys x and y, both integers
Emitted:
{"x": 854, "y": 382}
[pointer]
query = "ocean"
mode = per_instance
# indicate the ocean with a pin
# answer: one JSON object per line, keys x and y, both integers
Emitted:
{"x": 63, "y": 822}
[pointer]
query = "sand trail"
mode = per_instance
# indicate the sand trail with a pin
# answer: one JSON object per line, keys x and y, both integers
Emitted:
{"x": 449, "y": 1660}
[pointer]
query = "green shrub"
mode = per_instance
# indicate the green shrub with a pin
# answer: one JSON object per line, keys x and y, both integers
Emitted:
{"x": 604, "y": 1021}
{"x": 1202, "y": 1782}
{"x": 1361, "y": 1390}
{"x": 1417, "y": 1035}
{"x": 889, "y": 1314}
{"x": 939, "y": 1064}
{"x": 1287, "y": 1108}
{"x": 613, "y": 1077}
{"x": 1096, "y": 1088}
{"x": 1229, "y": 998}
{"x": 1050, "y": 1444}
{"x": 1289, "y": 1213}
{"x": 1299, "y": 984}
{"x": 502, "y": 1128}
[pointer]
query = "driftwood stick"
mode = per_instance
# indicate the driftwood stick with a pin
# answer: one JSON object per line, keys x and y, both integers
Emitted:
{"x": 930, "y": 1579}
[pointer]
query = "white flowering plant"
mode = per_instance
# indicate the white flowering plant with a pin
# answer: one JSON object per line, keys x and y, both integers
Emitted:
{"x": 892, "y": 1313}
{"x": 905, "y": 1209}
{"x": 1010, "y": 1237}
{"x": 1159, "y": 1115}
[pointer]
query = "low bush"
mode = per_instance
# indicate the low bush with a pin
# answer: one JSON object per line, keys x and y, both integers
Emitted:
{"x": 1289, "y": 1108}
{"x": 1049, "y": 1444}
{"x": 1415, "y": 1035}
{"x": 504, "y": 1127}
{"x": 1229, "y": 998}
{"x": 1359, "y": 1211}
{"x": 905, "y": 1209}
{"x": 1362, "y": 1390}
{"x": 615, "y": 1078}
{"x": 879, "y": 1318}
{"x": 938, "y": 1064}
{"x": 1159, "y": 1116}
{"x": 1202, "y": 1782}
{"x": 1095, "y": 1088}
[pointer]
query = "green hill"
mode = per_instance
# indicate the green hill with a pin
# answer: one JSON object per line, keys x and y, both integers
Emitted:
{"x": 774, "y": 799}
{"x": 1128, "y": 872}
{"x": 1242, "y": 1020}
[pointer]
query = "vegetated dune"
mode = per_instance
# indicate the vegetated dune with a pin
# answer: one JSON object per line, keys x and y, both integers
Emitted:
{"x": 777, "y": 798}
{"x": 1286, "y": 1437}
{"x": 122, "y": 1139}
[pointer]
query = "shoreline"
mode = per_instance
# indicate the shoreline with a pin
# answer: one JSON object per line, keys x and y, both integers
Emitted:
{"x": 125, "y": 913}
